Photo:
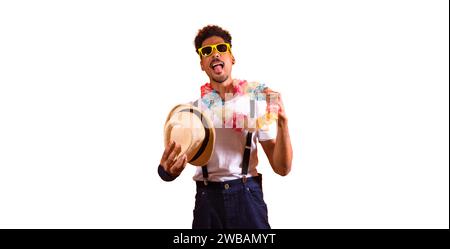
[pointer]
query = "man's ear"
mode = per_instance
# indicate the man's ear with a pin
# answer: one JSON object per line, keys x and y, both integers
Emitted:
{"x": 232, "y": 59}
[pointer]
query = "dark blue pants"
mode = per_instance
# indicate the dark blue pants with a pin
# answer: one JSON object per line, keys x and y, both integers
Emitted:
{"x": 230, "y": 205}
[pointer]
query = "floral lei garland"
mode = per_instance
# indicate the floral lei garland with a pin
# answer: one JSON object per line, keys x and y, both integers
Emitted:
{"x": 212, "y": 100}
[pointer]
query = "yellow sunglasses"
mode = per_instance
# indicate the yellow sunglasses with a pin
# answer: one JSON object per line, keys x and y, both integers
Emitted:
{"x": 208, "y": 49}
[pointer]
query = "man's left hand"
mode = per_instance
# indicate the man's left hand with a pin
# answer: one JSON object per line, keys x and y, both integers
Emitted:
{"x": 274, "y": 101}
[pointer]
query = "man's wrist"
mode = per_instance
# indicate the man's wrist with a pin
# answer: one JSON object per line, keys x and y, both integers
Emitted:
{"x": 166, "y": 176}
{"x": 282, "y": 123}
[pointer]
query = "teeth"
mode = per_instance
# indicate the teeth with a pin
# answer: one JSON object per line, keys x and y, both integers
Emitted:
{"x": 216, "y": 64}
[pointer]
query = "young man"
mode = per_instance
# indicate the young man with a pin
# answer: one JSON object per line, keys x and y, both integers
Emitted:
{"x": 229, "y": 188}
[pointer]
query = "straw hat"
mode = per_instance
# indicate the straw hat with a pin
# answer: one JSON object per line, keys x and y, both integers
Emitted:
{"x": 188, "y": 126}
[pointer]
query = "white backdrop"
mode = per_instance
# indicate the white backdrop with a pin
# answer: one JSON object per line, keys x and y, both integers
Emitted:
{"x": 85, "y": 87}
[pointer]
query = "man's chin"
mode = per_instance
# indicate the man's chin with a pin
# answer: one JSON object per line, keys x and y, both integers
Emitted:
{"x": 220, "y": 79}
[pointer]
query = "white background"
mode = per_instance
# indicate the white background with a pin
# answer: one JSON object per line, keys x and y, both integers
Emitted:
{"x": 85, "y": 87}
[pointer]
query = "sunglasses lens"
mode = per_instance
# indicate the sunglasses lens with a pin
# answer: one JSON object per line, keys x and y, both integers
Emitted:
{"x": 222, "y": 48}
{"x": 206, "y": 50}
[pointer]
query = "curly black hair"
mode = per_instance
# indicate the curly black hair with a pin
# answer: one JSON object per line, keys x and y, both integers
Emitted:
{"x": 208, "y": 31}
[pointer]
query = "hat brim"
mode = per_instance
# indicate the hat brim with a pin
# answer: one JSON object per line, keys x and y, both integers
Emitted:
{"x": 203, "y": 154}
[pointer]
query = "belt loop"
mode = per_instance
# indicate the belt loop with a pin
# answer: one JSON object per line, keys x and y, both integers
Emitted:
{"x": 244, "y": 178}
{"x": 205, "y": 175}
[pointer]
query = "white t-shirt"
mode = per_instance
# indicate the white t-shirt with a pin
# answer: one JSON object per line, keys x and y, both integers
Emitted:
{"x": 226, "y": 161}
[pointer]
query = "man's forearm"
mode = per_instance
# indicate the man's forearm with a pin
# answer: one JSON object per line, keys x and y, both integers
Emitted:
{"x": 282, "y": 156}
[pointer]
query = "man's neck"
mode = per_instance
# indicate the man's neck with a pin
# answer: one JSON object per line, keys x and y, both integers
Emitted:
{"x": 223, "y": 88}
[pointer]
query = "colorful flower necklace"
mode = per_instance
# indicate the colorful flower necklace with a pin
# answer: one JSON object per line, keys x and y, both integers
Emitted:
{"x": 255, "y": 91}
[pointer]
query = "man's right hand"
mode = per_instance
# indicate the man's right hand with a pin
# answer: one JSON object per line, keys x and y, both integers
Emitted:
{"x": 170, "y": 162}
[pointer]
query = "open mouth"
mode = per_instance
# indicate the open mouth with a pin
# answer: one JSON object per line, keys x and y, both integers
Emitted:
{"x": 217, "y": 66}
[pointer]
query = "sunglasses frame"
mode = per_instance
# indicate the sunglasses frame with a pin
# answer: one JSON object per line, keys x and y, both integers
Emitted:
{"x": 214, "y": 47}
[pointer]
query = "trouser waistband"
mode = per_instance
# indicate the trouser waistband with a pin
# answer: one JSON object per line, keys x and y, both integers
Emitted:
{"x": 229, "y": 184}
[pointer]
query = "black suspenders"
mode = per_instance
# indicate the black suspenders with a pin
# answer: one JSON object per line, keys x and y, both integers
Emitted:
{"x": 247, "y": 149}
{"x": 245, "y": 160}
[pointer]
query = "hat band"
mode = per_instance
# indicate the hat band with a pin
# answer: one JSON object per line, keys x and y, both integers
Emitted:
{"x": 206, "y": 139}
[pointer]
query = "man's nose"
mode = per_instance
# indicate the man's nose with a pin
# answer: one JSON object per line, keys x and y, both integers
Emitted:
{"x": 216, "y": 53}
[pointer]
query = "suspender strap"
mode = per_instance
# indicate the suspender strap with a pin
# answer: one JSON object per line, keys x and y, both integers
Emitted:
{"x": 246, "y": 159}
{"x": 248, "y": 145}
{"x": 205, "y": 172}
